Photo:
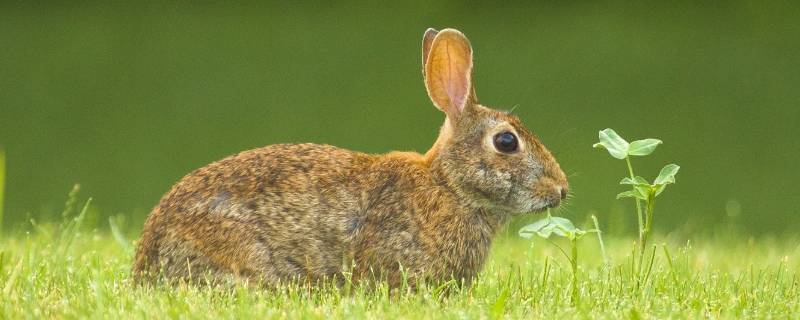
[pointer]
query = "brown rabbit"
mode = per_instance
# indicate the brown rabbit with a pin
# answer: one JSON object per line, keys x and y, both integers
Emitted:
{"x": 307, "y": 211}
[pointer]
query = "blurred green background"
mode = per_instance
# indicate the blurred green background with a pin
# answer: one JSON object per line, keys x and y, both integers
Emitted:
{"x": 126, "y": 99}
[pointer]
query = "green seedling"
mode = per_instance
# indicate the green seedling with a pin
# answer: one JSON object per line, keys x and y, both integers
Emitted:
{"x": 621, "y": 149}
{"x": 561, "y": 227}
{"x": 641, "y": 189}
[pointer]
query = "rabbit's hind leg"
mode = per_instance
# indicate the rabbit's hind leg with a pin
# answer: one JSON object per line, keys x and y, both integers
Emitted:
{"x": 215, "y": 248}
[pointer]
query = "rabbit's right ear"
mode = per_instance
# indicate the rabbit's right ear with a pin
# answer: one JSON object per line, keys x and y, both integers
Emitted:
{"x": 448, "y": 71}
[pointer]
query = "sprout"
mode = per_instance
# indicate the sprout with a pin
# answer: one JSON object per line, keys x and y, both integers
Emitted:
{"x": 561, "y": 227}
{"x": 641, "y": 189}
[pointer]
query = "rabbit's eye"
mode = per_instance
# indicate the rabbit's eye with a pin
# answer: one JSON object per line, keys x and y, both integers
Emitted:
{"x": 506, "y": 142}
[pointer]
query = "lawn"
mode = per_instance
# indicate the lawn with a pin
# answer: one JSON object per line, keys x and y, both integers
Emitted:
{"x": 77, "y": 273}
{"x": 127, "y": 98}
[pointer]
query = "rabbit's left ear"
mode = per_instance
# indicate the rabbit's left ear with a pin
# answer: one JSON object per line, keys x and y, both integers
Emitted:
{"x": 427, "y": 41}
{"x": 448, "y": 71}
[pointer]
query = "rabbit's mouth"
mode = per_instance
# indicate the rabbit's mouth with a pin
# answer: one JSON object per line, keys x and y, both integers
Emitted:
{"x": 539, "y": 205}
{"x": 541, "y": 208}
{"x": 547, "y": 198}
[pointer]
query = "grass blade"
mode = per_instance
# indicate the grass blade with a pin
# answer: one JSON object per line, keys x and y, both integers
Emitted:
{"x": 12, "y": 279}
{"x": 118, "y": 236}
{"x": 600, "y": 239}
{"x": 74, "y": 227}
{"x": 2, "y": 185}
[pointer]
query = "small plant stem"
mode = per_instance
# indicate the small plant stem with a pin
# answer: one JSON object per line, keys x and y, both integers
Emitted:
{"x": 638, "y": 205}
{"x": 649, "y": 267}
{"x": 651, "y": 205}
{"x": 651, "y": 201}
{"x": 640, "y": 218}
{"x": 574, "y": 262}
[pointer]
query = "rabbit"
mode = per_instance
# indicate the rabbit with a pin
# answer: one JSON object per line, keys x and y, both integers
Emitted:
{"x": 310, "y": 212}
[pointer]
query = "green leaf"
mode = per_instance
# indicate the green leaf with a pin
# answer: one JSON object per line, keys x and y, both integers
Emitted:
{"x": 643, "y": 147}
{"x": 555, "y": 229}
{"x": 548, "y": 226}
{"x": 667, "y": 174}
{"x": 635, "y": 181}
{"x": 626, "y": 194}
{"x": 548, "y": 229}
{"x": 563, "y": 223}
{"x": 660, "y": 188}
{"x": 640, "y": 188}
{"x": 532, "y": 229}
{"x": 641, "y": 191}
{"x": 564, "y": 227}
{"x": 611, "y": 141}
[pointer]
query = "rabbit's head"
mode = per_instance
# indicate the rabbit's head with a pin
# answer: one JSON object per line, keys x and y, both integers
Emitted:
{"x": 485, "y": 156}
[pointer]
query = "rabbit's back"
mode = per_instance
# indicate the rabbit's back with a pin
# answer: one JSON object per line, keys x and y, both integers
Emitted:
{"x": 272, "y": 213}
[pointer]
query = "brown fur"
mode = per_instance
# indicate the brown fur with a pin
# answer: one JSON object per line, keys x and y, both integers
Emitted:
{"x": 308, "y": 212}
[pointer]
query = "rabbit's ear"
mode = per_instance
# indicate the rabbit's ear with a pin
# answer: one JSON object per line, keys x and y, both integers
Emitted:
{"x": 448, "y": 72}
{"x": 427, "y": 41}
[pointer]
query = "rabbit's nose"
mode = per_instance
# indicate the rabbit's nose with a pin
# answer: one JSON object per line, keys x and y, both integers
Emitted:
{"x": 563, "y": 192}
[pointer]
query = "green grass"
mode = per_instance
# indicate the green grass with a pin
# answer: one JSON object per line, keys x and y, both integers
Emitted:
{"x": 42, "y": 275}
